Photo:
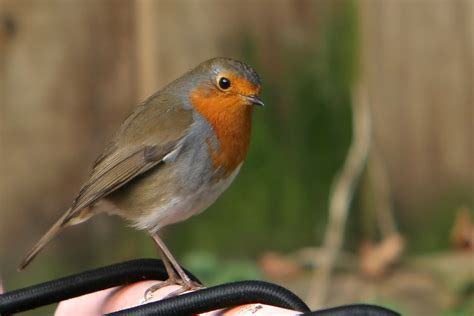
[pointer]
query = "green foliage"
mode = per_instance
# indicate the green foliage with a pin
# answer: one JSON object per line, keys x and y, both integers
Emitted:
{"x": 465, "y": 309}
{"x": 213, "y": 271}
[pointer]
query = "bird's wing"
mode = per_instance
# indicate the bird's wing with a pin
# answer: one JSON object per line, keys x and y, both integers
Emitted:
{"x": 145, "y": 138}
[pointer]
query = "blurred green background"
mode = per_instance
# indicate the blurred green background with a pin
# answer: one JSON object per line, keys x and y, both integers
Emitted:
{"x": 71, "y": 71}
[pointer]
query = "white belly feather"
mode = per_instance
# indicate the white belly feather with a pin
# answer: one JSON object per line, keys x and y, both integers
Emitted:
{"x": 180, "y": 208}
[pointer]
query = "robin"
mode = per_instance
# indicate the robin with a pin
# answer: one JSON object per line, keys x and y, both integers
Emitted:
{"x": 172, "y": 157}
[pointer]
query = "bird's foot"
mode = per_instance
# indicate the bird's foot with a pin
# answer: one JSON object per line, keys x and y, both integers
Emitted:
{"x": 184, "y": 286}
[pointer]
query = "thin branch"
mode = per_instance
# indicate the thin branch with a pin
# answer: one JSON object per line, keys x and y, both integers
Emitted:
{"x": 381, "y": 186}
{"x": 341, "y": 195}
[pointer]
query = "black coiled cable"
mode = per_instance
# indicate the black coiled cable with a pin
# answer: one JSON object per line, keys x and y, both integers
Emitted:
{"x": 221, "y": 296}
{"x": 227, "y": 295}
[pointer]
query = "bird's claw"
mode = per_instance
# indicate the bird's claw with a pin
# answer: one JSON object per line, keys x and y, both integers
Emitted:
{"x": 184, "y": 287}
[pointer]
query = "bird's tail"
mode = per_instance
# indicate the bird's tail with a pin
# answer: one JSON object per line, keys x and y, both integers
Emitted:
{"x": 50, "y": 234}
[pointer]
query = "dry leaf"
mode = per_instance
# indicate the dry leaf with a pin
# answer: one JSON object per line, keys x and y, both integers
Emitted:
{"x": 276, "y": 266}
{"x": 462, "y": 233}
{"x": 375, "y": 259}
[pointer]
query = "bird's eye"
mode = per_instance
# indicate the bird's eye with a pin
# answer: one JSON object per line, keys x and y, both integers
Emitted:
{"x": 224, "y": 83}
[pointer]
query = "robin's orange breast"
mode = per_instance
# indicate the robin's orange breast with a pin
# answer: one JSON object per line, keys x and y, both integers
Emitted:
{"x": 231, "y": 120}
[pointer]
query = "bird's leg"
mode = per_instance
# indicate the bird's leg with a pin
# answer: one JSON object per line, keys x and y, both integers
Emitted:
{"x": 176, "y": 274}
{"x": 172, "y": 276}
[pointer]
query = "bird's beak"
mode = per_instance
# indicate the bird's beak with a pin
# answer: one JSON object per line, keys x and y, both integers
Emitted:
{"x": 254, "y": 100}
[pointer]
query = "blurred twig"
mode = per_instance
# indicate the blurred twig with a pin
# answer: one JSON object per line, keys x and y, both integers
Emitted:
{"x": 341, "y": 196}
{"x": 381, "y": 186}
{"x": 375, "y": 258}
